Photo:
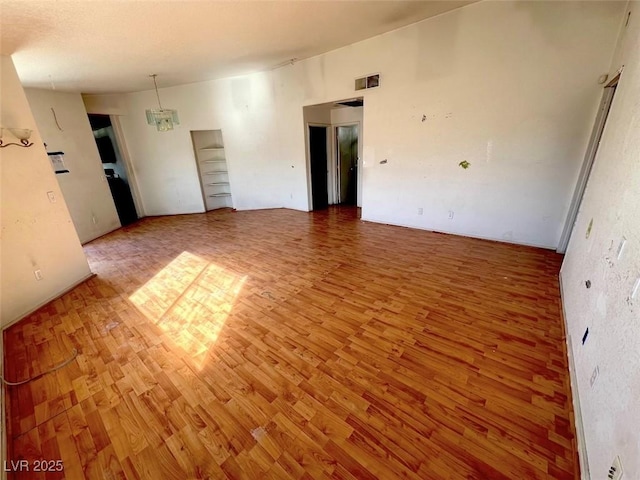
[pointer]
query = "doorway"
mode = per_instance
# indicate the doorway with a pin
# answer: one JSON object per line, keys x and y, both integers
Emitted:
{"x": 318, "y": 158}
{"x": 333, "y": 136}
{"x": 587, "y": 165}
{"x": 347, "y": 163}
{"x": 114, "y": 167}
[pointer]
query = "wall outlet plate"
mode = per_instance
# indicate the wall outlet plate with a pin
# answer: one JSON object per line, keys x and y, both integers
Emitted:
{"x": 615, "y": 471}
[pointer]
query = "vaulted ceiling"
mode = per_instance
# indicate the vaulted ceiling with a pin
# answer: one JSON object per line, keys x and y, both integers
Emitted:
{"x": 112, "y": 46}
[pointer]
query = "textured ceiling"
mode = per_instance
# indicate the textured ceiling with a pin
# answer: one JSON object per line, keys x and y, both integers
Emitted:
{"x": 112, "y": 46}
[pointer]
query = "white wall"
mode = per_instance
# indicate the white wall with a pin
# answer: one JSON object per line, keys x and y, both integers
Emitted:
{"x": 347, "y": 115}
{"x": 85, "y": 188}
{"x": 611, "y": 407}
{"x": 510, "y": 87}
{"x": 110, "y": 104}
{"x": 244, "y": 108}
{"x": 318, "y": 114}
{"x": 36, "y": 234}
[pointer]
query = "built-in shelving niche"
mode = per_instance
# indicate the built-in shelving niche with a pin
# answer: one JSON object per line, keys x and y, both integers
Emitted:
{"x": 208, "y": 147}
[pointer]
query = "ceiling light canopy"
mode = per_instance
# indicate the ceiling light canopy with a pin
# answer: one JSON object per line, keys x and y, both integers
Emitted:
{"x": 162, "y": 118}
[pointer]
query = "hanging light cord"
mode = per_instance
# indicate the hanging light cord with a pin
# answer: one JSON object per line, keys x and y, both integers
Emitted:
{"x": 55, "y": 117}
{"x": 74, "y": 354}
{"x": 156, "y": 85}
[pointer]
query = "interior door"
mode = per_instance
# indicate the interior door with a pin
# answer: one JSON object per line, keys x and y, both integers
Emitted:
{"x": 347, "y": 138}
{"x": 319, "y": 171}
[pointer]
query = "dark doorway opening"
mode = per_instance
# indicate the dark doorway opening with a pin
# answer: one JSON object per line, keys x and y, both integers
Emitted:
{"x": 347, "y": 154}
{"x": 114, "y": 168}
{"x": 319, "y": 166}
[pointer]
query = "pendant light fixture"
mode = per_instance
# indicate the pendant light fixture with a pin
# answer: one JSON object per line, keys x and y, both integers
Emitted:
{"x": 162, "y": 118}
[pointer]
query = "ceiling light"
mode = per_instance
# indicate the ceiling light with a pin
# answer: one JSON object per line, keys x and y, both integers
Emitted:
{"x": 162, "y": 118}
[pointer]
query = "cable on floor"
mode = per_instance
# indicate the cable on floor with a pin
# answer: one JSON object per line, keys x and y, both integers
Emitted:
{"x": 74, "y": 354}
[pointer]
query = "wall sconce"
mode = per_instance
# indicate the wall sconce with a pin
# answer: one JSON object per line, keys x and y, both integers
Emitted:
{"x": 21, "y": 134}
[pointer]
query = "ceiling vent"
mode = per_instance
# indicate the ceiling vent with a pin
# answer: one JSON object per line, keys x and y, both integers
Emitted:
{"x": 371, "y": 81}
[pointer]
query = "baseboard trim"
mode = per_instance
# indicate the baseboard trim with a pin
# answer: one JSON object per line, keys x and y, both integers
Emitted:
{"x": 49, "y": 300}
{"x": 581, "y": 447}
{"x": 457, "y": 234}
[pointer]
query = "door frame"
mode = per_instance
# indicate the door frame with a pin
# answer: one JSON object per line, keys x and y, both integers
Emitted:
{"x": 327, "y": 127}
{"x": 336, "y": 166}
{"x": 587, "y": 164}
{"x": 126, "y": 160}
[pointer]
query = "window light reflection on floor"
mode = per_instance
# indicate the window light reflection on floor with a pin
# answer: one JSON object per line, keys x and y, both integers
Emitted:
{"x": 190, "y": 299}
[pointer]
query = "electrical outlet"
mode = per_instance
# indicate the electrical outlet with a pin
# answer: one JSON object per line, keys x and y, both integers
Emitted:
{"x": 38, "y": 274}
{"x": 52, "y": 197}
{"x": 420, "y": 211}
{"x": 594, "y": 376}
{"x": 450, "y": 214}
{"x": 615, "y": 472}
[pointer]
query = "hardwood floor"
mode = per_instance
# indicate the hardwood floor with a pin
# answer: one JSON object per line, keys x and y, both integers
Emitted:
{"x": 285, "y": 345}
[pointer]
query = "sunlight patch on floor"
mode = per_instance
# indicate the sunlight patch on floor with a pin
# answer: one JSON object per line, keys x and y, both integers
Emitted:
{"x": 190, "y": 299}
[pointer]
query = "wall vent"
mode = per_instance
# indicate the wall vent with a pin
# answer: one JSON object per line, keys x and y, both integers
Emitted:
{"x": 370, "y": 81}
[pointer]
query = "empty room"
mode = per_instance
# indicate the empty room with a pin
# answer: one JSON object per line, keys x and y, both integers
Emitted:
{"x": 320, "y": 239}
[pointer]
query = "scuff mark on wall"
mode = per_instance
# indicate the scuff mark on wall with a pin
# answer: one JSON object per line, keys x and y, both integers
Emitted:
{"x": 589, "y": 229}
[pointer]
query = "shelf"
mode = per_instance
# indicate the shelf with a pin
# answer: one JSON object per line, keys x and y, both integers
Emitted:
{"x": 211, "y": 162}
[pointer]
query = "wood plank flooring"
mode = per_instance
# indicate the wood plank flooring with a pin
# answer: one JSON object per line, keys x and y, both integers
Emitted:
{"x": 284, "y": 345}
